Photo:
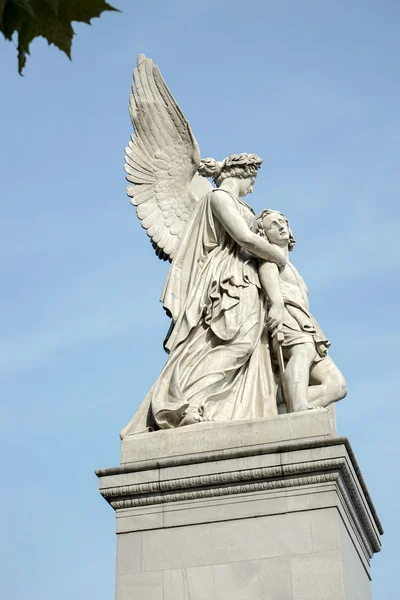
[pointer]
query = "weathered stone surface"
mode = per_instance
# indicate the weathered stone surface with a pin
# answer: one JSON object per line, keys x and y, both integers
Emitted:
{"x": 317, "y": 575}
{"x": 259, "y": 519}
{"x": 269, "y": 579}
{"x": 213, "y": 436}
{"x": 140, "y": 586}
{"x": 356, "y": 579}
{"x": 226, "y": 542}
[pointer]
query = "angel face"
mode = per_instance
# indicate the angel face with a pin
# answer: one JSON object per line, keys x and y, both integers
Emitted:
{"x": 276, "y": 229}
{"x": 246, "y": 186}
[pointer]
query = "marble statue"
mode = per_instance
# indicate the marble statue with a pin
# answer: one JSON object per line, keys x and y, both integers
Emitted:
{"x": 230, "y": 292}
{"x": 310, "y": 378}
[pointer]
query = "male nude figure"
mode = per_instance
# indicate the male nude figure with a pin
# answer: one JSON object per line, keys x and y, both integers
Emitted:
{"x": 311, "y": 378}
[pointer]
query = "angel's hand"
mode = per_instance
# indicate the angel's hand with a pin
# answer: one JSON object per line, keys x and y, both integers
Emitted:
{"x": 278, "y": 257}
{"x": 276, "y": 315}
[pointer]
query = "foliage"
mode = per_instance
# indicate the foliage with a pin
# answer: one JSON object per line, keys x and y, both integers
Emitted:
{"x": 50, "y": 19}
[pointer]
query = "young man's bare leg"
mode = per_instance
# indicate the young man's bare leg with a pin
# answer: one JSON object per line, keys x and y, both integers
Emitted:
{"x": 297, "y": 375}
{"x": 327, "y": 383}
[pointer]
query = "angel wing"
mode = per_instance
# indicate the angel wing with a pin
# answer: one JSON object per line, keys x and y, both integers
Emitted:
{"x": 161, "y": 160}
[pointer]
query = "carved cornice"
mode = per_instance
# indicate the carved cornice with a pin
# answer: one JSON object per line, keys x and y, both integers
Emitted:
{"x": 226, "y": 483}
{"x": 222, "y": 491}
{"x": 356, "y": 512}
{"x": 234, "y": 453}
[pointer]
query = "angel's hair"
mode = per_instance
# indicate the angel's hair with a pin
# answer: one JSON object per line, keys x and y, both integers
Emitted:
{"x": 242, "y": 166}
{"x": 261, "y": 230}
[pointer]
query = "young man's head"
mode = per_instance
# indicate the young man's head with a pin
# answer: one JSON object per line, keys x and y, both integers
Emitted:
{"x": 275, "y": 227}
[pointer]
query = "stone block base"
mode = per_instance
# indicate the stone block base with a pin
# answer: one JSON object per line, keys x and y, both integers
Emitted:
{"x": 256, "y": 510}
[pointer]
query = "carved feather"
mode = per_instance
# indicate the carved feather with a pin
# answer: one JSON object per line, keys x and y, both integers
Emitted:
{"x": 161, "y": 160}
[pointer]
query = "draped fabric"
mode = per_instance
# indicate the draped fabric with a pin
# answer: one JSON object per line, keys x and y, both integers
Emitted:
{"x": 219, "y": 363}
{"x": 299, "y": 325}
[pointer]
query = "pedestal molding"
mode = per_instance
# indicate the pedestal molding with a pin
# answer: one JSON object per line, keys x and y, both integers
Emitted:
{"x": 335, "y": 470}
{"x": 214, "y": 479}
{"x": 223, "y": 491}
{"x": 235, "y": 453}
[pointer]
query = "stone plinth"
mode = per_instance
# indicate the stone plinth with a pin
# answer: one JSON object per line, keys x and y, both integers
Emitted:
{"x": 252, "y": 510}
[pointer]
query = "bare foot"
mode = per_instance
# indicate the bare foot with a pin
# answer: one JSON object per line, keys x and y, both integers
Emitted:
{"x": 191, "y": 419}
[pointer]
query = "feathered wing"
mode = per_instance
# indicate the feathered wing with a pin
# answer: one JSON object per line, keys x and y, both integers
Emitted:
{"x": 161, "y": 160}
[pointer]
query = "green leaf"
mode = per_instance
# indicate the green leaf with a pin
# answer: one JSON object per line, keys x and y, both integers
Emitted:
{"x": 25, "y": 5}
{"x": 56, "y": 29}
{"x": 13, "y": 17}
{"x": 53, "y": 5}
{"x": 2, "y": 7}
{"x": 84, "y": 11}
{"x": 21, "y": 59}
{"x": 13, "y": 6}
{"x": 50, "y": 19}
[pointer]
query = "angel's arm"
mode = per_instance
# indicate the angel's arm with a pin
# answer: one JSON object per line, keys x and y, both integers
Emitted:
{"x": 223, "y": 207}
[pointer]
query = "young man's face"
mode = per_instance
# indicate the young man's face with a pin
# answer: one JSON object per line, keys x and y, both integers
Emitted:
{"x": 276, "y": 229}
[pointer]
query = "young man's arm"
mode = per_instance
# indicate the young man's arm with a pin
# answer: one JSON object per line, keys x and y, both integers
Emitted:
{"x": 270, "y": 282}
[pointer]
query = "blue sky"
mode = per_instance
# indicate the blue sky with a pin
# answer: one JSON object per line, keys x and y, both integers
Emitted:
{"x": 312, "y": 87}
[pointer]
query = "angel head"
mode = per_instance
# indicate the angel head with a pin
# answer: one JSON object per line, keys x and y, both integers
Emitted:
{"x": 273, "y": 225}
{"x": 242, "y": 167}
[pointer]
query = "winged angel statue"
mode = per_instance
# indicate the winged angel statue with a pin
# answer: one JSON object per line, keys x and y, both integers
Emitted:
{"x": 219, "y": 366}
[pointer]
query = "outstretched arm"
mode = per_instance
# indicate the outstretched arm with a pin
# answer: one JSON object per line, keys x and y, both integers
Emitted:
{"x": 224, "y": 208}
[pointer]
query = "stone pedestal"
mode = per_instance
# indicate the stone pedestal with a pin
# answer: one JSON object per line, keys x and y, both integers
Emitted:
{"x": 252, "y": 510}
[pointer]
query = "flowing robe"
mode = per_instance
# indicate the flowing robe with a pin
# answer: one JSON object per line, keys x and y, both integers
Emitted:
{"x": 219, "y": 363}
